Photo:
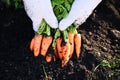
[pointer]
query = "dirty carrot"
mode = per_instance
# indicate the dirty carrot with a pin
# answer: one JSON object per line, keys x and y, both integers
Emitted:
{"x": 59, "y": 48}
{"x": 32, "y": 44}
{"x": 46, "y": 42}
{"x": 55, "y": 52}
{"x": 48, "y": 57}
{"x": 77, "y": 40}
{"x": 71, "y": 41}
{"x": 37, "y": 44}
{"x": 66, "y": 54}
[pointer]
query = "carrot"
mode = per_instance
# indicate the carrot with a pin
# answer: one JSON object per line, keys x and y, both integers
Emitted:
{"x": 66, "y": 54}
{"x": 32, "y": 44}
{"x": 59, "y": 48}
{"x": 48, "y": 57}
{"x": 71, "y": 41}
{"x": 37, "y": 44}
{"x": 46, "y": 42}
{"x": 77, "y": 40}
{"x": 55, "y": 52}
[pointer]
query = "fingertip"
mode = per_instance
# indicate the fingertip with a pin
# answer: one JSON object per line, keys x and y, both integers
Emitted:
{"x": 65, "y": 23}
{"x": 62, "y": 28}
{"x": 52, "y": 22}
{"x": 62, "y": 25}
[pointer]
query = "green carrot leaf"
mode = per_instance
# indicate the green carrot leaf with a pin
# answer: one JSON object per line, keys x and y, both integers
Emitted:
{"x": 72, "y": 29}
{"x": 42, "y": 27}
{"x": 65, "y": 35}
{"x": 67, "y": 5}
{"x": 57, "y": 34}
{"x": 105, "y": 63}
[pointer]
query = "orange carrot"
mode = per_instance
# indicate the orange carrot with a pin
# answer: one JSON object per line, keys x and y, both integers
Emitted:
{"x": 71, "y": 41}
{"x": 66, "y": 54}
{"x": 32, "y": 44}
{"x": 48, "y": 57}
{"x": 63, "y": 51}
{"x": 55, "y": 52}
{"x": 59, "y": 48}
{"x": 46, "y": 42}
{"x": 37, "y": 44}
{"x": 77, "y": 40}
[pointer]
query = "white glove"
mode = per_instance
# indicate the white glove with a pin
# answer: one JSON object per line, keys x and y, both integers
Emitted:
{"x": 80, "y": 11}
{"x": 38, "y": 10}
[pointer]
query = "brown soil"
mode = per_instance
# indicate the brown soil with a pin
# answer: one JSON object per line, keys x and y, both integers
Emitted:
{"x": 100, "y": 41}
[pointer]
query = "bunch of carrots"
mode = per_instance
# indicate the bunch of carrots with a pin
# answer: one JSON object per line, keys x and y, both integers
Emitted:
{"x": 63, "y": 42}
{"x": 42, "y": 40}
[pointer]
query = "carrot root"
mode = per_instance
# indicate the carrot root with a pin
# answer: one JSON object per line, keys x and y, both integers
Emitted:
{"x": 71, "y": 41}
{"x": 48, "y": 57}
{"x": 77, "y": 40}
{"x": 59, "y": 48}
{"x": 46, "y": 42}
{"x": 37, "y": 44}
{"x": 66, "y": 54}
{"x": 56, "y": 52}
{"x": 32, "y": 44}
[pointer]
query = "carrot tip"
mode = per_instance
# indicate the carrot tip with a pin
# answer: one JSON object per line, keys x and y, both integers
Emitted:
{"x": 48, "y": 58}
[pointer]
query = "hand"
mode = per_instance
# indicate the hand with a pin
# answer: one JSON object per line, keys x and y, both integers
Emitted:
{"x": 38, "y": 10}
{"x": 80, "y": 11}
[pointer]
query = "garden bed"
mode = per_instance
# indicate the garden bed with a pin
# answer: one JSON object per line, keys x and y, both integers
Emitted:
{"x": 100, "y": 42}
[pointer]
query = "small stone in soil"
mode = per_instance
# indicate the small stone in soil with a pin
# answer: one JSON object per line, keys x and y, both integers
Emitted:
{"x": 104, "y": 49}
{"x": 90, "y": 33}
{"x": 116, "y": 33}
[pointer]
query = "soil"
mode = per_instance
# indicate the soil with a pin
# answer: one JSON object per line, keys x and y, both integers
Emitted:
{"x": 100, "y": 41}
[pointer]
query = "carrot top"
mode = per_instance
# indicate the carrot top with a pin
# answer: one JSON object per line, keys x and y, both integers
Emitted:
{"x": 57, "y": 35}
{"x": 61, "y": 9}
{"x": 44, "y": 29}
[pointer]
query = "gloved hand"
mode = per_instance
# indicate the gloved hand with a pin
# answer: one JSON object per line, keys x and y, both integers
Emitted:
{"x": 38, "y": 10}
{"x": 80, "y": 11}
